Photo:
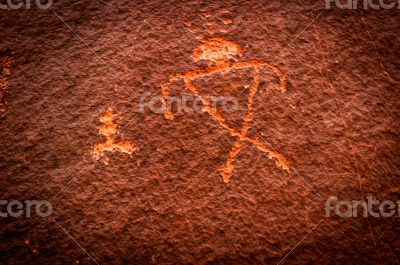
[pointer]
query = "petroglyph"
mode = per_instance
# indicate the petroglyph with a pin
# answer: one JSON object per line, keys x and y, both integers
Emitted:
{"x": 222, "y": 55}
{"x": 109, "y": 129}
{"x": 227, "y": 21}
{"x": 209, "y": 23}
{"x": 5, "y": 71}
{"x": 225, "y": 10}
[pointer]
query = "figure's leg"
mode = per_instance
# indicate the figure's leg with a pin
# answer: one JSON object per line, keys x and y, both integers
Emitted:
{"x": 272, "y": 154}
{"x": 164, "y": 95}
{"x": 261, "y": 145}
{"x": 227, "y": 169}
{"x": 242, "y": 134}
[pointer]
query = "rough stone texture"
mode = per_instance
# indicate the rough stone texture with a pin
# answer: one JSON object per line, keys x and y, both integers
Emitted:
{"x": 337, "y": 125}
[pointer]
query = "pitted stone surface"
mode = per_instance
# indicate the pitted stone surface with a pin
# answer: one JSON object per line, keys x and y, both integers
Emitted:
{"x": 337, "y": 125}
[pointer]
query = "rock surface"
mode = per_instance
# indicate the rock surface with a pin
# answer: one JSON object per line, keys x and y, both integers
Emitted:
{"x": 164, "y": 200}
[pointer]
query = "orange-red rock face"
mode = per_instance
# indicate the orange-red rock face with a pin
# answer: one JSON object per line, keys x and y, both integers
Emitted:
{"x": 5, "y": 71}
{"x": 316, "y": 115}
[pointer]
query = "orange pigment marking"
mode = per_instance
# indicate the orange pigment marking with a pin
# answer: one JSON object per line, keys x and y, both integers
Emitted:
{"x": 108, "y": 129}
{"x": 210, "y": 31}
{"x": 5, "y": 64}
{"x": 216, "y": 49}
{"x": 227, "y": 21}
{"x": 200, "y": 36}
{"x": 217, "y": 52}
{"x": 187, "y": 22}
{"x": 206, "y": 15}
{"x": 224, "y": 10}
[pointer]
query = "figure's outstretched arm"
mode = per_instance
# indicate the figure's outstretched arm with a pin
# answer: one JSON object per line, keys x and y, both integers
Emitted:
{"x": 261, "y": 66}
{"x": 278, "y": 72}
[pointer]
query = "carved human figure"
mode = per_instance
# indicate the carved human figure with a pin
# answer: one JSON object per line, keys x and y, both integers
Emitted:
{"x": 218, "y": 53}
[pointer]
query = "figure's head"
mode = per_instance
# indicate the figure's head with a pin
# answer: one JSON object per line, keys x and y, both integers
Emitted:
{"x": 216, "y": 50}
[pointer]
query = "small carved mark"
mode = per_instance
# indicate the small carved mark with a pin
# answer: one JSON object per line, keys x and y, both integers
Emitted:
{"x": 227, "y": 21}
{"x": 5, "y": 71}
{"x": 212, "y": 24}
{"x": 109, "y": 129}
{"x": 225, "y": 10}
{"x": 187, "y": 22}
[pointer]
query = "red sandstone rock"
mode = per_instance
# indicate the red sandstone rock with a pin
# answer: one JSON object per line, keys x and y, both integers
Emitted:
{"x": 164, "y": 200}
